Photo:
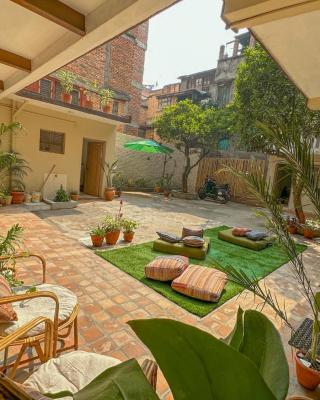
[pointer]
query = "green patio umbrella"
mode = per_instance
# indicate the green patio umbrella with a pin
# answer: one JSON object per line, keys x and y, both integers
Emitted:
{"x": 148, "y": 146}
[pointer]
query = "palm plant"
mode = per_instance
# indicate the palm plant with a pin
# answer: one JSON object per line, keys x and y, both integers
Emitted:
{"x": 300, "y": 160}
{"x": 8, "y": 246}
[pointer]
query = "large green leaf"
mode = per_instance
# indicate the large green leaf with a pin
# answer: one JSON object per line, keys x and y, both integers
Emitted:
{"x": 196, "y": 365}
{"x": 125, "y": 381}
{"x": 236, "y": 336}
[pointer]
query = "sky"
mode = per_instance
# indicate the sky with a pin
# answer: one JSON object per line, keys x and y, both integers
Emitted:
{"x": 184, "y": 39}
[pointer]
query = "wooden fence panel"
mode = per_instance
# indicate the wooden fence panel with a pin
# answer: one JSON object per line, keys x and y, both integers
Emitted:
{"x": 239, "y": 191}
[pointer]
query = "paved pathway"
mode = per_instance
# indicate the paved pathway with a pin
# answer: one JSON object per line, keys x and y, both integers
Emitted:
{"x": 108, "y": 297}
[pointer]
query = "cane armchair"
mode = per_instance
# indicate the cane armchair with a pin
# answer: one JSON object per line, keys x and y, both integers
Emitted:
{"x": 53, "y": 301}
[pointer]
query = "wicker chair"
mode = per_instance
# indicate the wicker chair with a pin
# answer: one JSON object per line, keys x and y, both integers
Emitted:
{"x": 62, "y": 325}
{"x": 29, "y": 390}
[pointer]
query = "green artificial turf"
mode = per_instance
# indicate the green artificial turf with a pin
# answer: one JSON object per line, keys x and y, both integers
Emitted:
{"x": 255, "y": 263}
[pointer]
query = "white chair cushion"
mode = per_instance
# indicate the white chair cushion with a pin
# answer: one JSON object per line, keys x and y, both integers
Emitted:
{"x": 40, "y": 307}
{"x": 71, "y": 371}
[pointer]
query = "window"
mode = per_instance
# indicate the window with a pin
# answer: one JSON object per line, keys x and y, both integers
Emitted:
{"x": 52, "y": 142}
{"x": 198, "y": 82}
{"x": 45, "y": 88}
{"x": 224, "y": 94}
{"x": 75, "y": 97}
{"x": 115, "y": 107}
{"x": 165, "y": 102}
{"x": 58, "y": 91}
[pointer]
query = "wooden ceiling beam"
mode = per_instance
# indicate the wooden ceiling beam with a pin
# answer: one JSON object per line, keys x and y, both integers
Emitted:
{"x": 14, "y": 60}
{"x": 57, "y": 12}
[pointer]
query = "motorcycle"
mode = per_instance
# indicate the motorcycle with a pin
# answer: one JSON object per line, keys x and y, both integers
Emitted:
{"x": 219, "y": 193}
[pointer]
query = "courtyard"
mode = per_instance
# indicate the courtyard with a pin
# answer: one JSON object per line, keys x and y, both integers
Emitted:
{"x": 109, "y": 297}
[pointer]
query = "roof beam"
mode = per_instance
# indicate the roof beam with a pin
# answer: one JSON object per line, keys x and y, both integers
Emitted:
{"x": 57, "y": 12}
{"x": 15, "y": 61}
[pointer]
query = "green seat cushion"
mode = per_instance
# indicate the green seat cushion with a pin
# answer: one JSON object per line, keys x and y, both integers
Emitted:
{"x": 227, "y": 236}
{"x": 179, "y": 248}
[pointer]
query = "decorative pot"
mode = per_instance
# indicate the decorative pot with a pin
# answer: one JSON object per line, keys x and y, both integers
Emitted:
{"x": 128, "y": 236}
{"x": 74, "y": 197}
{"x": 17, "y": 197}
{"x": 308, "y": 233}
{"x": 27, "y": 198}
{"x": 66, "y": 97}
{"x": 118, "y": 192}
{"x": 36, "y": 197}
{"x": 106, "y": 108}
{"x": 157, "y": 189}
{"x": 97, "y": 240}
{"x": 307, "y": 377}
{"x": 88, "y": 103}
{"x": 292, "y": 229}
{"x": 112, "y": 237}
{"x": 108, "y": 194}
{"x": 166, "y": 193}
{"x": 8, "y": 200}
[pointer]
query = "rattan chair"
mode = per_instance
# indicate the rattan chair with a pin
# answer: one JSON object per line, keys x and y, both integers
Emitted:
{"x": 61, "y": 327}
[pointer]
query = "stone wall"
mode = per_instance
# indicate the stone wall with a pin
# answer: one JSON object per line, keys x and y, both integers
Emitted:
{"x": 136, "y": 165}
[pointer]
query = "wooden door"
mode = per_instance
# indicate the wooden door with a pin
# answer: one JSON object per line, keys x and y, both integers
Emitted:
{"x": 93, "y": 171}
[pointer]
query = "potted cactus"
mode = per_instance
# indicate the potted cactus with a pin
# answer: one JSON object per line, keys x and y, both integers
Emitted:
{"x": 97, "y": 235}
{"x": 128, "y": 226}
{"x": 67, "y": 80}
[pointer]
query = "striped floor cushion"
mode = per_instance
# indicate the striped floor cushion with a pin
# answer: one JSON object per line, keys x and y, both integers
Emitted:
{"x": 166, "y": 268}
{"x": 201, "y": 283}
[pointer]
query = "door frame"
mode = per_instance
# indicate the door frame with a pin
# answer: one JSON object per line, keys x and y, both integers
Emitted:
{"x": 99, "y": 184}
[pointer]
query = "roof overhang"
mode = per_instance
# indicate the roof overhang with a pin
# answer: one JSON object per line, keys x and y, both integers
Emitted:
{"x": 37, "y": 37}
{"x": 289, "y": 30}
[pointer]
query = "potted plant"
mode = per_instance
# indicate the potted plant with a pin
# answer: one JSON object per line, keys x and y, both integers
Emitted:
{"x": 128, "y": 227}
{"x": 66, "y": 79}
{"x": 309, "y": 228}
{"x": 109, "y": 170}
{"x": 61, "y": 196}
{"x": 18, "y": 169}
{"x": 74, "y": 195}
{"x": 292, "y": 224}
{"x": 157, "y": 187}
{"x": 105, "y": 96}
{"x": 97, "y": 235}
{"x": 166, "y": 185}
{"x": 112, "y": 227}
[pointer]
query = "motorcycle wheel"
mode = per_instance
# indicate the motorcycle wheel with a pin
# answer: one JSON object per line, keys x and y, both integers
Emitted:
{"x": 222, "y": 200}
{"x": 202, "y": 194}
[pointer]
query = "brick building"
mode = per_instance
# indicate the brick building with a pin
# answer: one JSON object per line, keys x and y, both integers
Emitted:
{"x": 117, "y": 65}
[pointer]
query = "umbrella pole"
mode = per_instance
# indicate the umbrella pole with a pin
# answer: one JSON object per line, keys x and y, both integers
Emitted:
{"x": 164, "y": 165}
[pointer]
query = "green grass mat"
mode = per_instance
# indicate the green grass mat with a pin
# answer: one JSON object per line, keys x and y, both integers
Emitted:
{"x": 259, "y": 263}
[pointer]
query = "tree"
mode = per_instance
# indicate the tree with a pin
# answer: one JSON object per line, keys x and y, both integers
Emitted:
{"x": 189, "y": 126}
{"x": 265, "y": 98}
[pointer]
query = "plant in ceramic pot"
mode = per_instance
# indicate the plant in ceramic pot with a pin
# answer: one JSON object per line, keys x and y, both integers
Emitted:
{"x": 66, "y": 79}
{"x": 74, "y": 195}
{"x": 157, "y": 187}
{"x": 292, "y": 224}
{"x": 112, "y": 226}
{"x": 109, "y": 170}
{"x": 105, "y": 96}
{"x": 18, "y": 169}
{"x": 97, "y": 235}
{"x": 309, "y": 228}
{"x": 166, "y": 185}
{"x": 128, "y": 226}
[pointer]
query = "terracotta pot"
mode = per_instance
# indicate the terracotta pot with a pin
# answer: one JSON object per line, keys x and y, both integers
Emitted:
{"x": 157, "y": 189}
{"x": 292, "y": 229}
{"x": 107, "y": 108}
{"x": 166, "y": 193}
{"x": 17, "y": 197}
{"x": 112, "y": 237}
{"x": 108, "y": 194}
{"x": 128, "y": 236}
{"x": 97, "y": 240}
{"x": 307, "y": 377}
{"x": 88, "y": 103}
{"x": 308, "y": 233}
{"x": 8, "y": 200}
{"x": 66, "y": 97}
{"x": 118, "y": 192}
{"x": 74, "y": 197}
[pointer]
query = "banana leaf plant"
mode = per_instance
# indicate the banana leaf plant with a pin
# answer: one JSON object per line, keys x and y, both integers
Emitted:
{"x": 251, "y": 363}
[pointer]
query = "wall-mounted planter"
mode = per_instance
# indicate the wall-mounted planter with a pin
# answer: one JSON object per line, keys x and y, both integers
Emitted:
{"x": 66, "y": 97}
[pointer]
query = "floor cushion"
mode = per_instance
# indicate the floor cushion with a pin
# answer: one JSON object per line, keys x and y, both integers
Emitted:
{"x": 227, "y": 236}
{"x": 179, "y": 248}
{"x": 169, "y": 237}
{"x": 166, "y": 268}
{"x": 71, "y": 371}
{"x": 193, "y": 241}
{"x": 40, "y": 307}
{"x": 201, "y": 283}
{"x": 192, "y": 232}
{"x": 7, "y": 312}
{"x": 240, "y": 231}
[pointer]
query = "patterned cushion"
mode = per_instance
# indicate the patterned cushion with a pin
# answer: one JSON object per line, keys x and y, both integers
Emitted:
{"x": 240, "y": 231}
{"x": 166, "y": 268}
{"x": 40, "y": 307}
{"x": 201, "y": 283}
{"x": 256, "y": 235}
{"x": 192, "y": 232}
{"x": 7, "y": 312}
{"x": 193, "y": 241}
{"x": 169, "y": 237}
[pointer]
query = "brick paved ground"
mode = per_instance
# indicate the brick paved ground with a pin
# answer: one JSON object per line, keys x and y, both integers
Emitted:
{"x": 108, "y": 297}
